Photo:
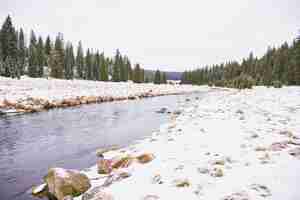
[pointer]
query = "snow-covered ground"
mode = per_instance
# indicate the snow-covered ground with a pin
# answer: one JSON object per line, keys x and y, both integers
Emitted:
{"x": 40, "y": 92}
{"x": 230, "y": 144}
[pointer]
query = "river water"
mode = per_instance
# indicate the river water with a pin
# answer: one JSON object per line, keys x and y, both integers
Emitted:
{"x": 31, "y": 144}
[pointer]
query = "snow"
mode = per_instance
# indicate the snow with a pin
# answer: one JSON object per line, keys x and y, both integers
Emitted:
{"x": 224, "y": 126}
{"x": 15, "y": 90}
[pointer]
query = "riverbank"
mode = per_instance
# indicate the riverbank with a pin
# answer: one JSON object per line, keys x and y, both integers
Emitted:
{"x": 38, "y": 94}
{"x": 229, "y": 145}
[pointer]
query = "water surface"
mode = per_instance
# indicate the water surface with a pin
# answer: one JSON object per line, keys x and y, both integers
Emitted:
{"x": 31, "y": 144}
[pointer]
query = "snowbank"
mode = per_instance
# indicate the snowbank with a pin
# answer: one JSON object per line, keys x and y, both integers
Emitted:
{"x": 36, "y": 94}
{"x": 229, "y": 145}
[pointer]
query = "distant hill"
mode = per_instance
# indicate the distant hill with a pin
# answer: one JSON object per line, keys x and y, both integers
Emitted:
{"x": 170, "y": 75}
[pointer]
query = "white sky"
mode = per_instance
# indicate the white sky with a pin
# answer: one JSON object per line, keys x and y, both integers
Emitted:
{"x": 164, "y": 34}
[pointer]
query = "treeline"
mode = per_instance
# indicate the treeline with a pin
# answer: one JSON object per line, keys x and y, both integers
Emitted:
{"x": 276, "y": 67}
{"x": 58, "y": 59}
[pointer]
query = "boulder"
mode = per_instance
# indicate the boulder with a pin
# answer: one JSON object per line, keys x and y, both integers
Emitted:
{"x": 104, "y": 166}
{"x": 181, "y": 182}
{"x": 96, "y": 193}
{"x": 162, "y": 110}
{"x": 145, "y": 158}
{"x": 63, "y": 182}
{"x": 261, "y": 190}
{"x": 40, "y": 191}
{"x": 217, "y": 172}
{"x": 295, "y": 152}
{"x": 278, "y": 146}
{"x": 122, "y": 162}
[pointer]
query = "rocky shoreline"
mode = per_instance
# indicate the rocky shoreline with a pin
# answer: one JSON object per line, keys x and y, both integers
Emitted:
{"x": 229, "y": 145}
{"x": 30, "y": 95}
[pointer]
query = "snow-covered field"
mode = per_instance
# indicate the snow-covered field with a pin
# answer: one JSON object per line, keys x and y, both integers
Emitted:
{"x": 231, "y": 144}
{"x": 38, "y": 93}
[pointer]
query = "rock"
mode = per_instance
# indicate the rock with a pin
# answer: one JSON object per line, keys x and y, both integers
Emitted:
{"x": 96, "y": 193}
{"x": 262, "y": 190}
{"x": 177, "y": 112}
{"x": 150, "y": 197}
{"x": 101, "y": 151}
{"x": 69, "y": 197}
{"x": 278, "y": 146}
{"x": 237, "y": 196}
{"x": 104, "y": 166}
{"x": 295, "y": 152}
{"x": 118, "y": 176}
{"x": 217, "y": 172}
{"x": 162, "y": 110}
{"x": 157, "y": 179}
{"x": 181, "y": 182}
{"x": 294, "y": 141}
{"x": 259, "y": 148}
{"x": 63, "y": 182}
{"x": 122, "y": 162}
{"x": 254, "y": 135}
{"x": 40, "y": 191}
{"x": 203, "y": 170}
{"x": 265, "y": 158}
{"x": 145, "y": 158}
{"x": 287, "y": 133}
{"x": 218, "y": 161}
{"x": 239, "y": 112}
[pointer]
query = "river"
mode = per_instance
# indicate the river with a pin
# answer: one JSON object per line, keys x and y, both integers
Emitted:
{"x": 30, "y": 144}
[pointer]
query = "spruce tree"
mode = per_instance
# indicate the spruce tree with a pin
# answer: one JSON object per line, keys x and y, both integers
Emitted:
{"x": 48, "y": 46}
{"x": 9, "y": 45}
{"x": 33, "y": 60}
{"x": 80, "y": 61}
{"x": 103, "y": 68}
{"x": 96, "y": 66}
{"x": 157, "y": 77}
{"x": 22, "y": 52}
{"x": 137, "y": 73}
{"x": 297, "y": 60}
{"x": 40, "y": 56}
{"x": 56, "y": 60}
{"x": 69, "y": 61}
{"x": 163, "y": 78}
{"x": 116, "y": 67}
{"x": 88, "y": 63}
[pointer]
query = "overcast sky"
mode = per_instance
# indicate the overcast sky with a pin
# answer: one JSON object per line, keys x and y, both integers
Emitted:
{"x": 165, "y": 34}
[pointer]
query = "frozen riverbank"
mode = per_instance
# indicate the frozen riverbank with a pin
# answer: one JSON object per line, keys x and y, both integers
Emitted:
{"x": 36, "y": 94}
{"x": 229, "y": 145}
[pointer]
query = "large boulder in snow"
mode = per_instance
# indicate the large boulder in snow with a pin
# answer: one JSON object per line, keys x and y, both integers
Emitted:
{"x": 63, "y": 182}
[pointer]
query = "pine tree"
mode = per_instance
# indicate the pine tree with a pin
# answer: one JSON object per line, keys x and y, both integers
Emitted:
{"x": 116, "y": 67}
{"x": 297, "y": 60}
{"x": 22, "y": 51}
{"x": 48, "y": 46}
{"x": 137, "y": 73}
{"x": 40, "y": 58}
{"x": 103, "y": 68}
{"x": 163, "y": 78}
{"x": 80, "y": 62}
{"x": 69, "y": 61}
{"x": 96, "y": 66}
{"x": 157, "y": 77}
{"x": 9, "y": 45}
{"x": 33, "y": 60}
{"x": 56, "y": 60}
{"x": 88, "y": 63}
